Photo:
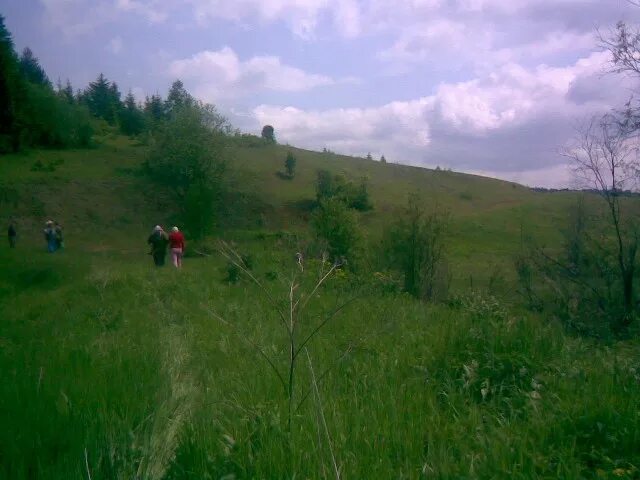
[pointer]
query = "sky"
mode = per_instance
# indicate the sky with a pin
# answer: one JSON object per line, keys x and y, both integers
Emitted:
{"x": 492, "y": 87}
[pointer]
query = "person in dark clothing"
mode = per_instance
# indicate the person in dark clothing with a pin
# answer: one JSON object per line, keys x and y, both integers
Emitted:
{"x": 159, "y": 242}
{"x": 58, "y": 236}
{"x": 12, "y": 234}
{"x": 50, "y": 237}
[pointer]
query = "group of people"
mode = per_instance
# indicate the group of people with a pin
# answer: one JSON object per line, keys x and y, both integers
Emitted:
{"x": 53, "y": 236}
{"x": 160, "y": 241}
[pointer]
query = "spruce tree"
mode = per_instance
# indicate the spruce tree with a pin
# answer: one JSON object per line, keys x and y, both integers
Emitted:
{"x": 31, "y": 69}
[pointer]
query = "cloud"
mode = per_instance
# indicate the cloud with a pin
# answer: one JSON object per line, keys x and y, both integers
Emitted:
{"x": 507, "y": 122}
{"x": 213, "y": 75}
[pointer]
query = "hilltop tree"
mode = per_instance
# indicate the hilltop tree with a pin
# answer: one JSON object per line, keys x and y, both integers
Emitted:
{"x": 290, "y": 164}
{"x": 268, "y": 133}
{"x": 178, "y": 97}
{"x": 369, "y": 157}
{"x": 31, "y": 69}
{"x": 382, "y": 159}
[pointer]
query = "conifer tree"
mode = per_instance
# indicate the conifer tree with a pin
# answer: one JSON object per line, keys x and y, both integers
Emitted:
{"x": 31, "y": 69}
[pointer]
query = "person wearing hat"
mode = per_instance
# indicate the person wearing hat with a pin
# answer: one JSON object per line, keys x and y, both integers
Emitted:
{"x": 176, "y": 242}
{"x": 158, "y": 241}
{"x": 50, "y": 237}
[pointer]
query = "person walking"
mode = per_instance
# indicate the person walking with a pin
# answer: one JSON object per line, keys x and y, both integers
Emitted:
{"x": 158, "y": 241}
{"x": 50, "y": 237}
{"x": 176, "y": 243}
{"x": 12, "y": 234}
{"x": 57, "y": 230}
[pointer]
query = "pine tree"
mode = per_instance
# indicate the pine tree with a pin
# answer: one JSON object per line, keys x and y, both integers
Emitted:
{"x": 154, "y": 110}
{"x": 103, "y": 99}
{"x": 12, "y": 92}
{"x": 31, "y": 69}
{"x": 177, "y": 98}
{"x": 131, "y": 118}
{"x": 382, "y": 159}
{"x": 369, "y": 157}
{"x": 67, "y": 92}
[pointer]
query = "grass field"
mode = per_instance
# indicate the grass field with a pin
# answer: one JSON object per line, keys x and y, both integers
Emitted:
{"x": 112, "y": 369}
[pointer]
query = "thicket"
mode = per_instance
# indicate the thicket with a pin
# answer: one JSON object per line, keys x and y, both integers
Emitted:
{"x": 339, "y": 187}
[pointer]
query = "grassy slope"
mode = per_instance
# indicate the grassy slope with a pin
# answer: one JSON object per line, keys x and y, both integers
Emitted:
{"x": 109, "y": 367}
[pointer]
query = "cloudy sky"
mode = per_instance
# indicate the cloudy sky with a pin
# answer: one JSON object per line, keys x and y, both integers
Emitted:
{"x": 485, "y": 86}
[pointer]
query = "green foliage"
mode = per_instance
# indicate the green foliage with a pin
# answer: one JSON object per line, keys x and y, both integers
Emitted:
{"x": 415, "y": 245}
{"x": 338, "y": 187}
{"x": 290, "y": 164}
{"x": 580, "y": 284}
{"x": 189, "y": 156}
{"x": 31, "y": 70}
{"x": 103, "y": 99}
{"x": 154, "y": 111}
{"x": 130, "y": 117}
{"x": 247, "y": 140}
{"x": 337, "y": 227}
{"x": 30, "y": 111}
{"x": 268, "y": 133}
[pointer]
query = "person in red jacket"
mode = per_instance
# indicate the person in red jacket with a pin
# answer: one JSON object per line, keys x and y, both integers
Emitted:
{"x": 176, "y": 243}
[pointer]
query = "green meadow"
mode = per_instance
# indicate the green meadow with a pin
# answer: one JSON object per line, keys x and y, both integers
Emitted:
{"x": 111, "y": 368}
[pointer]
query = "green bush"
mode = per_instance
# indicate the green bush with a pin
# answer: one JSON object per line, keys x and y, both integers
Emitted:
{"x": 336, "y": 226}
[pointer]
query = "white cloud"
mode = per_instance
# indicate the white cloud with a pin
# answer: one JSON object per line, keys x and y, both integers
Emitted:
{"x": 391, "y": 129}
{"x": 213, "y": 75}
{"x": 510, "y": 121}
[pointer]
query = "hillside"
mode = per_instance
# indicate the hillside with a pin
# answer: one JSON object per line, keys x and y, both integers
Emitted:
{"x": 106, "y": 204}
{"x": 112, "y": 368}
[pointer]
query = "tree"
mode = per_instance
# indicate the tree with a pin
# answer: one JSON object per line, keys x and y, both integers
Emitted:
{"x": 11, "y": 92}
{"x": 154, "y": 111}
{"x": 103, "y": 99}
{"x": 131, "y": 119}
{"x": 66, "y": 92}
{"x": 415, "y": 245}
{"x": 604, "y": 158}
{"x": 189, "y": 156}
{"x": 382, "y": 159}
{"x": 330, "y": 186}
{"x": 177, "y": 98}
{"x": 31, "y": 69}
{"x": 290, "y": 164}
{"x": 369, "y": 157}
{"x": 268, "y": 133}
{"x": 337, "y": 227}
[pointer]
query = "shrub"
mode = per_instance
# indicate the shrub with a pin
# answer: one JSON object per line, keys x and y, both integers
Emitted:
{"x": 354, "y": 196}
{"x": 337, "y": 227}
{"x": 290, "y": 164}
{"x": 415, "y": 245}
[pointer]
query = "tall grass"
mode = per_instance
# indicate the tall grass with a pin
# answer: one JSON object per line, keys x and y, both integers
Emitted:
{"x": 112, "y": 369}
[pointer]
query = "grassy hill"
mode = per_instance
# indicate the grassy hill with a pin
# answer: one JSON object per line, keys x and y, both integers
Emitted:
{"x": 111, "y": 368}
